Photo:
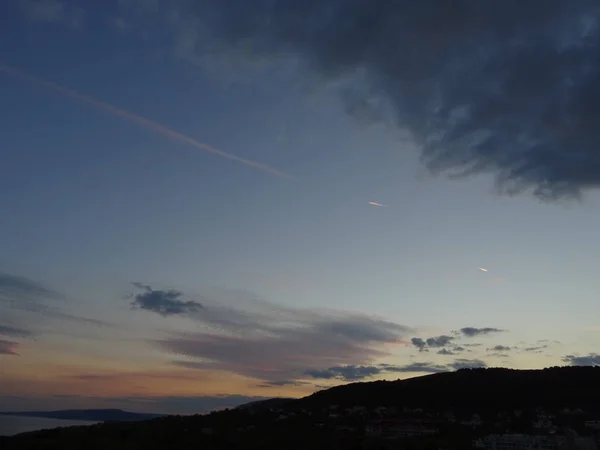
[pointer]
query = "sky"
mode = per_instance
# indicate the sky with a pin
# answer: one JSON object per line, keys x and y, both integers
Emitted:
{"x": 209, "y": 203}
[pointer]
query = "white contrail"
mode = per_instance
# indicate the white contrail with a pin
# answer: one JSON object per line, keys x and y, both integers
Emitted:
{"x": 142, "y": 121}
{"x": 377, "y": 204}
{"x": 482, "y": 269}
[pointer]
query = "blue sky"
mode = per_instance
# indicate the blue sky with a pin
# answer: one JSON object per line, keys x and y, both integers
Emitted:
{"x": 92, "y": 202}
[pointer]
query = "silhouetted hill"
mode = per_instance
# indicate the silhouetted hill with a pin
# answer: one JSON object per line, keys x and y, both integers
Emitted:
{"x": 555, "y": 387}
{"x": 92, "y": 415}
{"x": 337, "y": 418}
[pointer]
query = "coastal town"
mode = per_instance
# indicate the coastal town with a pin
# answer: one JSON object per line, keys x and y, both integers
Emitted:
{"x": 491, "y": 409}
{"x": 515, "y": 429}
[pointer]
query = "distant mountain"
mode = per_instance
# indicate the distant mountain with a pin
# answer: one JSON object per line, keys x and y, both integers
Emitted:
{"x": 92, "y": 415}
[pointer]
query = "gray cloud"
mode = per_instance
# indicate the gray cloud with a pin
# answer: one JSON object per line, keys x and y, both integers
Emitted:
{"x": 8, "y": 347}
{"x": 445, "y": 351}
{"x": 22, "y": 293}
{"x": 472, "y": 331}
{"x": 482, "y": 87}
{"x": 165, "y": 303}
{"x": 467, "y": 364}
{"x": 282, "y": 383}
{"x": 499, "y": 348}
{"x": 274, "y": 343}
{"x": 439, "y": 341}
{"x": 593, "y": 359}
{"x": 432, "y": 342}
{"x": 355, "y": 373}
{"x": 419, "y": 343}
{"x": 536, "y": 349}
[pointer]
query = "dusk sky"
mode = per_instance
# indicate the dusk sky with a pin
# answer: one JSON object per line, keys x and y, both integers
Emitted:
{"x": 185, "y": 193}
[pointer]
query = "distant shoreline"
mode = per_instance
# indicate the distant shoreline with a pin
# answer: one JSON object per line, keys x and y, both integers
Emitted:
{"x": 86, "y": 415}
{"x": 14, "y": 425}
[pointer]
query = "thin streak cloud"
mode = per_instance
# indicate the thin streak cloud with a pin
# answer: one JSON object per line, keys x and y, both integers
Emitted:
{"x": 141, "y": 121}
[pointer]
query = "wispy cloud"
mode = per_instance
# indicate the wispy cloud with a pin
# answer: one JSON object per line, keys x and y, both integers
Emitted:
{"x": 535, "y": 349}
{"x": 53, "y": 11}
{"x": 18, "y": 293}
{"x": 139, "y": 120}
{"x": 8, "y": 347}
{"x": 283, "y": 383}
{"x": 274, "y": 343}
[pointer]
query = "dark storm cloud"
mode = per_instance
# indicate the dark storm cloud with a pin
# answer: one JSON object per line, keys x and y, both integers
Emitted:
{"x": 593, "y": 359}
{"x": 165, "y": 303}
{"x": 274, "y": 343}
{"x": 467, "y": 364}
{"x": 507, "y": 88}
{"x": 472, "y": 331}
